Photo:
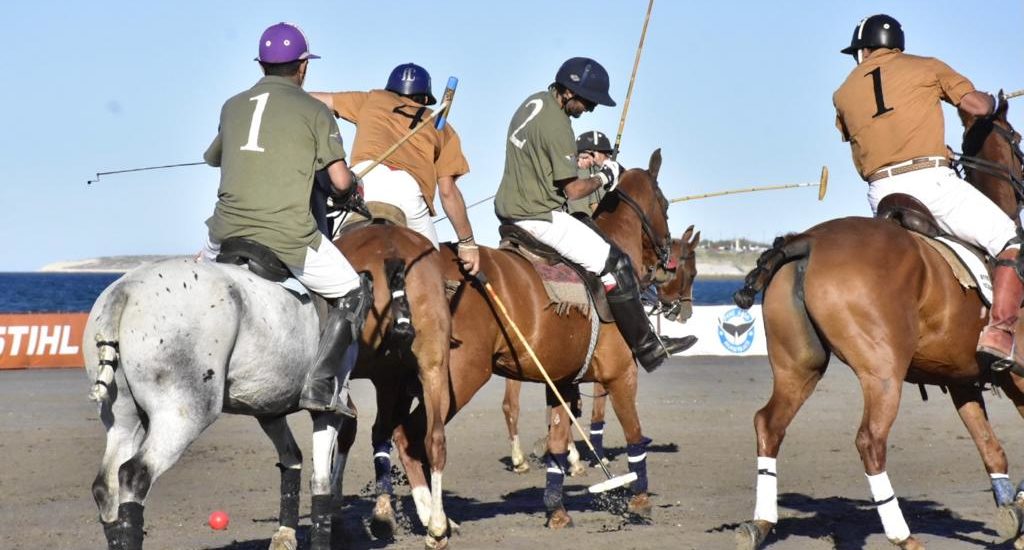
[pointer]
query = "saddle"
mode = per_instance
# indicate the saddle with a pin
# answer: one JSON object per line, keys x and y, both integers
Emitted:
{"x": 553, "y": 269}
{"x": 971, "y": 265}
{"x": 383, "y": 213}
{"x": 262, "y": 262}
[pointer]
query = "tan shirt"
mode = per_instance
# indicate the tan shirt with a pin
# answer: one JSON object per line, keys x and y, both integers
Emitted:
{"x": 889, "y": 110}
{"x": 382, "y": 118}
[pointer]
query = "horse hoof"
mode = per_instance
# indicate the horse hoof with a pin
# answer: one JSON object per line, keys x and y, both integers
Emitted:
{"x": 430, "y": 543}
{"x": 911, "y": 543}
{"x": 1019, "y": 544}
{"x": 383, "y": 524}
{"x": 750, "y": 535}
{"x": 640, "y": 505}
{"x": 559, "y": 519}
{"x": 1008, "y": 520}
{"x": 521, "y": 468}
{"x": 577, "y": 469}
{"x": 284, "y": 539}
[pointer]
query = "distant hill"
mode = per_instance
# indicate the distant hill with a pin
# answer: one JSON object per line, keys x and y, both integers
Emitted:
{"x": 714, "y": 260}
{"x": 106, "y": 264}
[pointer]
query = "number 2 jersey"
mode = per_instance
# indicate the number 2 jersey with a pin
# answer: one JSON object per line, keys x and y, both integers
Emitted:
{"x": 271, "y": 141}
{"x": 889, "y": 111}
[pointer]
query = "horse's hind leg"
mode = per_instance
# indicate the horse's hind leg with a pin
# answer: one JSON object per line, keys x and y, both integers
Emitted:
{"x": 597, "y": 414}
{"x": 289, "y": 461}
{"x": 124, "y": 434}
{"x": 510, "y": 408}
{"x": 798, "y": 361}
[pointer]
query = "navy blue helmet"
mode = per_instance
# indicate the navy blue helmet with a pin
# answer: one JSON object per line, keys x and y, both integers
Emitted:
{"x": 586, "y": 78}
{"x": 410, "y": 79}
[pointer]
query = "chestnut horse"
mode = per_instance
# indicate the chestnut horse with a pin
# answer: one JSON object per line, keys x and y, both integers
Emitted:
{"x": 675, "y": 302}
{"x": 635, "y": 218}
{"x": 887, "y": 305}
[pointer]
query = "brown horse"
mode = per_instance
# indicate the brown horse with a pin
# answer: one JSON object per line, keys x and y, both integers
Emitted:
{"x": 636, "y": 220}
{"x": 675, "y": 298}
{"x": 887, "y": 305}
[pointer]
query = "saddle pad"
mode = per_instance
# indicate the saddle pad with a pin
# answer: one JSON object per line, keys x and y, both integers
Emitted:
{"x": 967, "y": 267}
{"x": 564, "y": 288}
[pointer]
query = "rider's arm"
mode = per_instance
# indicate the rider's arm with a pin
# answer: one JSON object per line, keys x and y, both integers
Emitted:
{"x": 454, "y": 206}
{"x": 978, "y": 103}
{"x": 579, "y": 188}
{"x": 344, "y": 105}
{"x": 341, "y": 176}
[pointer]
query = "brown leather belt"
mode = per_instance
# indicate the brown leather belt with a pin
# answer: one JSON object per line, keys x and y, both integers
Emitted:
{"x": 916, "y": 164}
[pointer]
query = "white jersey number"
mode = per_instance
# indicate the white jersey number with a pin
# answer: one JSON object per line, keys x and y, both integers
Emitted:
{"x": 535, "y": 107}
{"x": 254, "y": 126}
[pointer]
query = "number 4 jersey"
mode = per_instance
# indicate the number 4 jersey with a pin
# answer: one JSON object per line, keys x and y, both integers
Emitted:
{"x": 272, "y": 139}
{"x": 889, "y": 111}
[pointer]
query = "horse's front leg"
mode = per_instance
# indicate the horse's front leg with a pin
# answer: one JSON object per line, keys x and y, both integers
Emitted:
{"x": 557, "y": 466}
{"x": 510, "y": 408}
{"x": 325, "y": 439}
{"x": 289, "y": 461}
{"x": 597, "y": 414}
{"x": 623, "y": 393}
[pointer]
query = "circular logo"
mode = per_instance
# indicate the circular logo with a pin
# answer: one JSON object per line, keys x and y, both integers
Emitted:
{"x": 736, "y": 330}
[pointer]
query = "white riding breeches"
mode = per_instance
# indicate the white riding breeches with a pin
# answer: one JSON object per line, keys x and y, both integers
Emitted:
{"x": 400, "y": 189}
{"x": 572, "y": 239}
{"x": 326, "y": 270}
{"x": 959, "y": 208}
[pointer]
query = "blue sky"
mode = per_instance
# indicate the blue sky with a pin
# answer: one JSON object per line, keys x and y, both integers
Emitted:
{"x": 735, "y": 93}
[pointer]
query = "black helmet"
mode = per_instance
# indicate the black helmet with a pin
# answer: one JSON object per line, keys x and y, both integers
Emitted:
{"x": 877, "y": 31}
{"x": 593, "y": 141}
{"x": 410, "y": 79}
{"x": 586, "y": 78}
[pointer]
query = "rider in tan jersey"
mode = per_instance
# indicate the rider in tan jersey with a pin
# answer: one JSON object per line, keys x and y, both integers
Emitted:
{"x": 889, "y": 110}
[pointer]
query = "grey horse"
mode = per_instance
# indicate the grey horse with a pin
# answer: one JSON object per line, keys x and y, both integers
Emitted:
{"x": 179, "y": 342}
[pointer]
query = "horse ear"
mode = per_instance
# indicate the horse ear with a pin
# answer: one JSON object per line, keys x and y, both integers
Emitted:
{"x": 1001, "y": 105}
{"x": 695, "y": 241}
{"x": 687, "y": 234}
{"x": 655, "y": 165}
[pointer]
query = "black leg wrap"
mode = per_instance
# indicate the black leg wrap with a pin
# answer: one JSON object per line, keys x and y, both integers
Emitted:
{"x": 125, "y": 533}
{"x": 290, "y": 490}
{"x": 320, "y": 518}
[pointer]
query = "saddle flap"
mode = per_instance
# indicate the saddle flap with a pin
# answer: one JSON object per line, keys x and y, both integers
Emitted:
{"x": 260, "y": 260}
{"x": 910, "y": 213}
{"x": 518, "y": 240}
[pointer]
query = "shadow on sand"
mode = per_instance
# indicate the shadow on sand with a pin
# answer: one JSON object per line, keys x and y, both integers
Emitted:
{"x": 848, "y": 523}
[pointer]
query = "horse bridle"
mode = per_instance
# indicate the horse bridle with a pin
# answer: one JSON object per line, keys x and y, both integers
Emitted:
{"x": 999, "y": 170}
{"x": 659, "y": 244}
{"x": 673, "y": 309}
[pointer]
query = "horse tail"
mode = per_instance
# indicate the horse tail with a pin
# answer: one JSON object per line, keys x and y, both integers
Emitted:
{"x": 402, "y": 332}
{"x": 106, "y": 328}
{"x": 785, "y": 249}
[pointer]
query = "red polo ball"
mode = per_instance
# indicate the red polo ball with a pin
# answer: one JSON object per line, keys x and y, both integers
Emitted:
{"x": 219, "y": 520}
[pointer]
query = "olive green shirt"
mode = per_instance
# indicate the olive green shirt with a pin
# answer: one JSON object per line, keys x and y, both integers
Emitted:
{"x": 272, "y": 139}
{"x": 540, "y": 150}
{"x": 587, "y": 204}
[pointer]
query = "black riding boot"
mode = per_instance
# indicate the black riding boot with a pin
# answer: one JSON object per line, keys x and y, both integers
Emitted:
{"x": 631, "y": 318}
{"x": 330, "y": 369}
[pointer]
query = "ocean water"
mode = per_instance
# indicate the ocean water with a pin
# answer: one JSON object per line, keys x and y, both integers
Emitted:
{"x": 75, "y": 292}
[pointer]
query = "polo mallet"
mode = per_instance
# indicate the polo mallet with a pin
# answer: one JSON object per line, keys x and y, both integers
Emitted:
{"x": 632, "y": 79}
{"x": 610, "y": 483}
{"x": 425, "y": 122}
{"x": 1011, "y": 95}
{"x": 821, "y": 184}
{"x": 143, "y": 169}
{"x": 447, "y": 97}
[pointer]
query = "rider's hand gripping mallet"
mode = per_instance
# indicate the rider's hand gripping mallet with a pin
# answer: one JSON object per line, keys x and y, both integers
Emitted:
{"x": 610, "y": 483}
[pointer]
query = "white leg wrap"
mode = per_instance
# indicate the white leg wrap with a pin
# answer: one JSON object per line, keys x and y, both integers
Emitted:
{"x": 421, "y": 496}
{"x": 767, "y": 507}
{"x": 324, "y": 442}
{"x": 895, "y": 525}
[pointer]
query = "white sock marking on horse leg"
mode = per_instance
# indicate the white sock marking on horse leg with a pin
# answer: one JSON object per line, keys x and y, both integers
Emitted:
{"x": 323, "y": 450}
{"x": 517, "y": 452}
{"x": 574, "y": 455}
{"x": 767, "y": 507}
{"x": 421, "y": 496}
{"x": 895, "y": 525}
{"x": 438, "y": 523}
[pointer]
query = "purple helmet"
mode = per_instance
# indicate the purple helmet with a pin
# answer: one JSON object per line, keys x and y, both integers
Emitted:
{"x": 284, "y": 43}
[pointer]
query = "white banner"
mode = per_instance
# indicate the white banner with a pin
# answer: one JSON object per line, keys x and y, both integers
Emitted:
{"x": 720, "y": 330}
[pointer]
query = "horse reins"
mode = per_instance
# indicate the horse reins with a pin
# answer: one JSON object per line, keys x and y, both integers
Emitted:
{"x": 999, "y": 170}
{"x": 661, "y": 249}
